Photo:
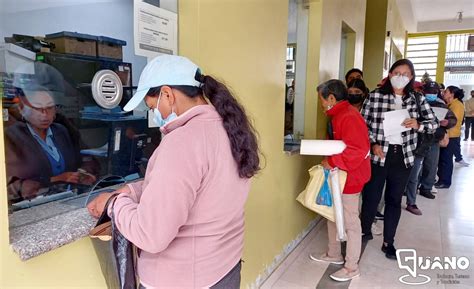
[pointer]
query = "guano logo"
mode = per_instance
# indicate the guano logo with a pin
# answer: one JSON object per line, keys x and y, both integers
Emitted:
{"x": 407, "y": 260}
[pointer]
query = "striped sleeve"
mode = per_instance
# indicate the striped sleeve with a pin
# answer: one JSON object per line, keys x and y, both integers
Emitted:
{"x": 368, "y": 117}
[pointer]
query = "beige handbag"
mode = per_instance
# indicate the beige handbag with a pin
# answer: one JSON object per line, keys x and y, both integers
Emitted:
{"x": 308, "y": 197}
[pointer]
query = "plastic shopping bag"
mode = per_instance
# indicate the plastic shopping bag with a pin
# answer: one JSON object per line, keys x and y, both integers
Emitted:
{"x": 308, "y": 197}
{"x": 324, "y": 196}
{"x": 336, "y": 189}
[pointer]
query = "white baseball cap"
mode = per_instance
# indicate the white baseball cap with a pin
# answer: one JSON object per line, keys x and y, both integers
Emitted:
{"x": 163, "y": 70}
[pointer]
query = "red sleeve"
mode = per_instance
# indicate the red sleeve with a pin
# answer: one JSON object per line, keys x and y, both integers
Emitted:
{"x": 356, "y": 138}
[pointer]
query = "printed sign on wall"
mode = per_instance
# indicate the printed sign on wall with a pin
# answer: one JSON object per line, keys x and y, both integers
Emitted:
{"x": 155, "y": 29}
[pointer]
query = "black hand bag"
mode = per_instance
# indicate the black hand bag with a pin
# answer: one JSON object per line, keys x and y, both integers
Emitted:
{"x": 425, "y": 140}
{"x": 117, "y": 255}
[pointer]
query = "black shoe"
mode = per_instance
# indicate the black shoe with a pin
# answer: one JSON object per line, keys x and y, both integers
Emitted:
{"x": 379, "y": 216}
{"x": 390, "y": 251}
{"x": 367, "y": 237}
{"x": 442, "y": 186}
{"x": 427, "y": 194}
{"x": 465, "y": 139}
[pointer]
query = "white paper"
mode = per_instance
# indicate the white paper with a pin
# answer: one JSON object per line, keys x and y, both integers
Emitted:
{"x": 322, "y": 147}
{"x": 440, "y": 112}
{"x": 392, "y": 123}
{"x": 155, "y": 30}
{"x": 338, "y": 206}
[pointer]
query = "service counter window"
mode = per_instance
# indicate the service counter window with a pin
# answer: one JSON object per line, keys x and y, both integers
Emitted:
{"x": 65, "y": 132}
{"x": 66, "y": 135}
{"x": 295, "y": 85}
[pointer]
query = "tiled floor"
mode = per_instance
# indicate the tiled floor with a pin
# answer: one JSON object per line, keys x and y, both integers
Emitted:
{"x": 446, "y": 228}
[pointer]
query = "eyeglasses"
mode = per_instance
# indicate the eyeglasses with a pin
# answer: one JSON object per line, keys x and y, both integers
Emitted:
{"x": 46, "y": 110}
{"x": 406, "y": 74}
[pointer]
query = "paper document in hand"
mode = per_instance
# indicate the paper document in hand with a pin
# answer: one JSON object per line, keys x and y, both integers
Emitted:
{"x": 440, "y": 112}
{"x": 392, "y": 123}
{"x": 321, "y": 147}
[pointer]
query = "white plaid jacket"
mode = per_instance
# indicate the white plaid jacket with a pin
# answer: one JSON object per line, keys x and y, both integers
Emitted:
{"x": 373, "y": 111}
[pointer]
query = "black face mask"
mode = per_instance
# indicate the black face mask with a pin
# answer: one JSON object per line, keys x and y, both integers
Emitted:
{"x": 355, "y": 98}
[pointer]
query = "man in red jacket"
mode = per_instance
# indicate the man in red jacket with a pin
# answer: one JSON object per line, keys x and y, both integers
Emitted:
{"x": 347, "y": 125}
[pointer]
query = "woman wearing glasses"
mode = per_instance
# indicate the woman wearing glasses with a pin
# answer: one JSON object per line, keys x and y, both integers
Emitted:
{"x": 39, "y": 152}
{"x": 393, "y": 152}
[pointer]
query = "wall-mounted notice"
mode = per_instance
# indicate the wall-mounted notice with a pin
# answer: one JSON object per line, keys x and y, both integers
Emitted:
{"x": 155, "y": 29}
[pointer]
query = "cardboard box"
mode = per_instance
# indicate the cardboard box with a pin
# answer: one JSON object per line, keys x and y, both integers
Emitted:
{"x": 73, "y": 43}
{"x": 110, "y": 47}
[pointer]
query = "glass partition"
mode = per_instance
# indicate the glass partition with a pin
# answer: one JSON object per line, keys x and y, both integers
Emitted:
{"x": 66, "y": 71}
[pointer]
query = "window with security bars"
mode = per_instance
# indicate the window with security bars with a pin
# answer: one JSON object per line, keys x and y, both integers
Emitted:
{"x": 459, "y": 65}
{"x": 423, "y": 52}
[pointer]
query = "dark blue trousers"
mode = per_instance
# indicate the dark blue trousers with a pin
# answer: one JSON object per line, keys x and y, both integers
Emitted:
{"x": 445, "y": 165}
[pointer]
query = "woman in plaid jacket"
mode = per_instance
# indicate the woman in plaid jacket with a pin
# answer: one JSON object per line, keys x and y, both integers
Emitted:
{"x": 392, "y": 156}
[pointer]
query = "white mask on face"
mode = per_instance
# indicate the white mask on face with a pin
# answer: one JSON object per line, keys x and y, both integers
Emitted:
{"x": 399, "y": 81}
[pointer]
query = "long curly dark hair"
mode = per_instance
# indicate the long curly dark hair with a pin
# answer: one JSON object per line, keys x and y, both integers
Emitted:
{"x": 242, "y": 135}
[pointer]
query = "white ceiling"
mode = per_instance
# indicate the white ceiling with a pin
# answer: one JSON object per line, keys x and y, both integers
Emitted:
{"x": 436, "y": 15}
{"x": 434, "y": 10}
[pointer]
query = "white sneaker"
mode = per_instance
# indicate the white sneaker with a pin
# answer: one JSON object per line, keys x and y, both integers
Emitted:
{"x": 434, "y": 190}
{"x": 463, "y": 163}
{"x": 325, "y": 258}
{"x": 344, "y": 275}
{"x": 376, "y": 230}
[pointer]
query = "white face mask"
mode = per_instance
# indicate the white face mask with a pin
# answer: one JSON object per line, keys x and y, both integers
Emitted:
{"x": 399, "y": 81}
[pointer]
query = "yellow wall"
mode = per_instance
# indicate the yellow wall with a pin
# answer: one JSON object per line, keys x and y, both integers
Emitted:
{"x": 245, "y": 45}
{"x": 324, "y": 48}
{"x": 396, "y": 28}
{"x": 375, "y": 28}
{"x": 382, "y": 16}
{"x": 334, "y": 13}
{"x": 350, "y": 51}
{"x": 311, "y": 113}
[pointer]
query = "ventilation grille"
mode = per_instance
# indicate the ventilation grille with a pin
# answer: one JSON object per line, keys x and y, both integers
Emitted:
{"x": 107, "y": 89}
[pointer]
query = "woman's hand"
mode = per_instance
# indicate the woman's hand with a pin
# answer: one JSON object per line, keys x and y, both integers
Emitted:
{"x": 326, "y": 164}
{"x": 125, "y": 189}
{"x": 96, "y": 206}
{"x": 85, "y": 177}
{"x": 29, "y": 189}
{"x": 411, "y": 123}
{"x": 67, "y": 177}
{"x": 377, "y": 150}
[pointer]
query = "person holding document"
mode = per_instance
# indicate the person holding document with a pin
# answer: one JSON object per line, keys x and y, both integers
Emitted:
{"x": 447, "y": 119}
{"x": 393, "y": 143}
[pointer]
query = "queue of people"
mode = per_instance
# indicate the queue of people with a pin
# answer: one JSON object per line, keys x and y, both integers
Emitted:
{"x": 401, "y": 163}
{"x": 184, "y": 207}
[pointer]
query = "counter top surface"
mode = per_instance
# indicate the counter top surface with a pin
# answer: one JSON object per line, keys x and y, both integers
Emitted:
{"x": 43, "y": 228}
